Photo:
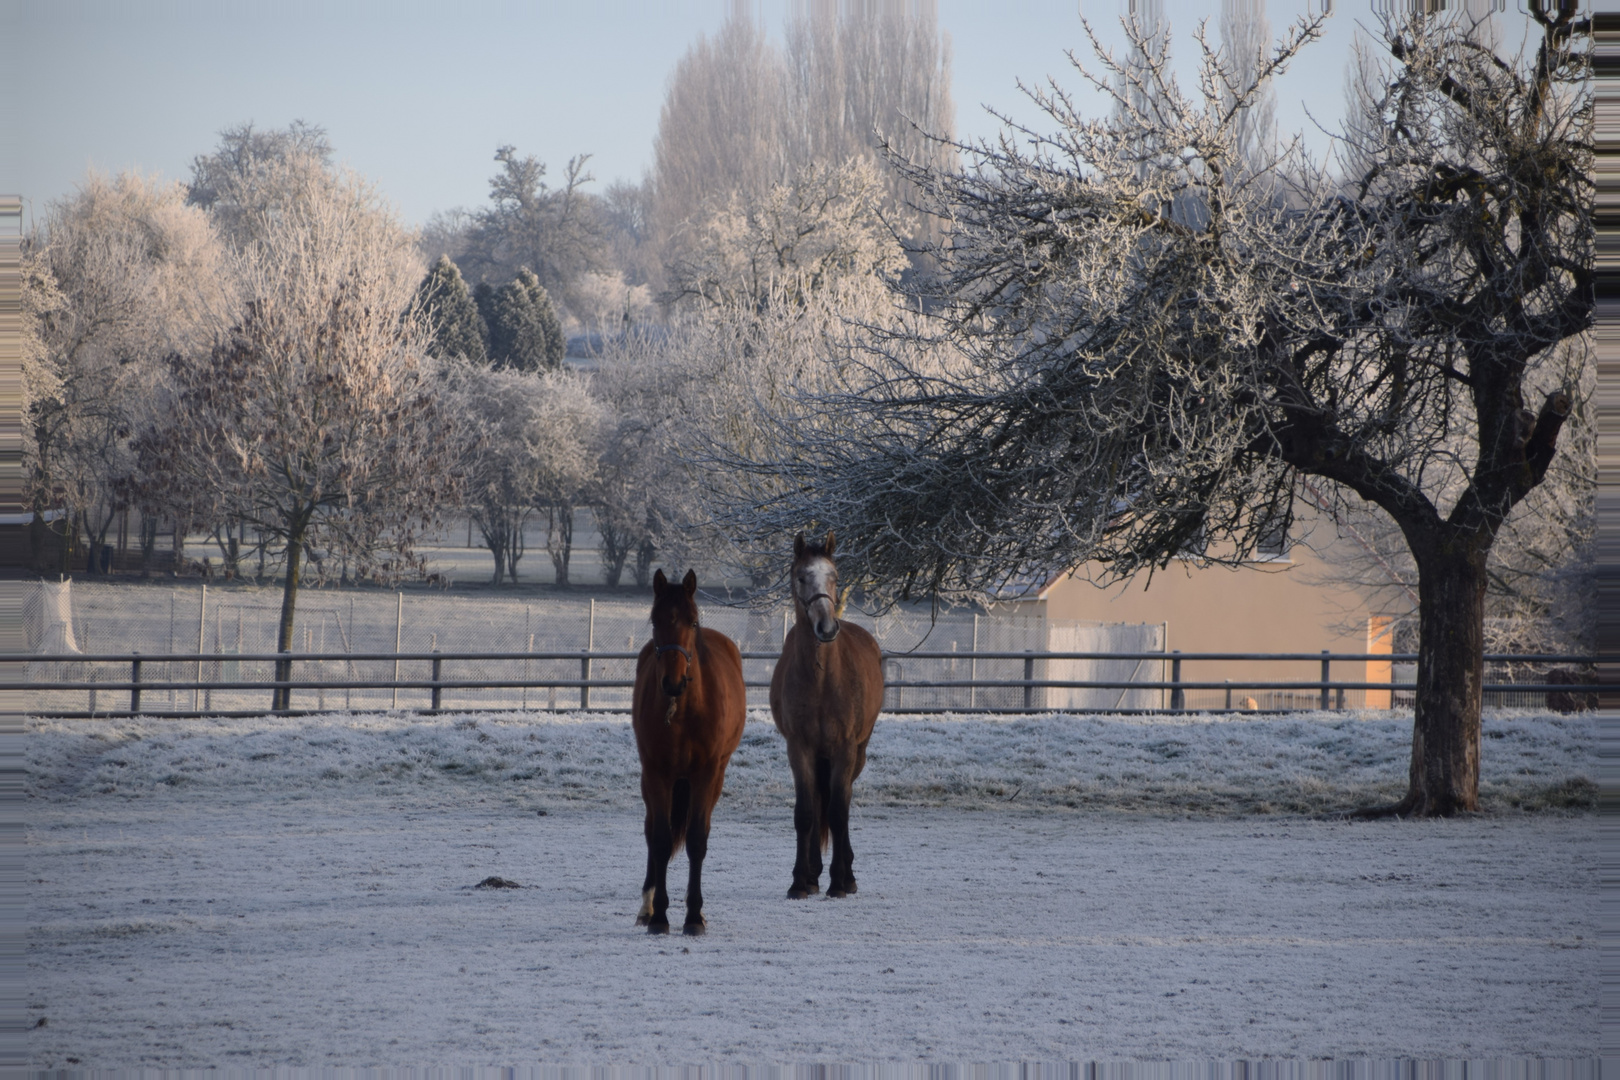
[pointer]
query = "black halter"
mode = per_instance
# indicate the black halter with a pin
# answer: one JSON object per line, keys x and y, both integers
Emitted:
{"x": 820, "y": 596}
{"x": 662, "y": 649}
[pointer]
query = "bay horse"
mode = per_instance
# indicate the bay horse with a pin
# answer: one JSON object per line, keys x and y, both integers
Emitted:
{"x": 825, "y": 695}
{"x": 687, "y": 710}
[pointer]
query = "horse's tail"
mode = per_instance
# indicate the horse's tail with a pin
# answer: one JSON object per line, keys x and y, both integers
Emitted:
{"x": 824, "y": 799}
{"x": 680, "y": 805}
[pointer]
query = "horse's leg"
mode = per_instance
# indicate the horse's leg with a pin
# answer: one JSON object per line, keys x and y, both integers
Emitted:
{"x": 660, "y": 844}
{"x": 705, "y": 793}
{"x": 807, "y": 860}
{"x": 841, "y": 880}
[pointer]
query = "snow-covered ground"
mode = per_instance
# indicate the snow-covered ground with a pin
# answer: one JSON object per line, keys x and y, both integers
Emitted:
{"x": 1303, "y": 763}
{"x": 300, "y": 892}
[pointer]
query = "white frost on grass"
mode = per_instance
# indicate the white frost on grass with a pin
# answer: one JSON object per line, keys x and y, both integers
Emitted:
{"x": 275, "y": 892}
{"x": 1303, "y": 763}
{"x": 320, "y": 930}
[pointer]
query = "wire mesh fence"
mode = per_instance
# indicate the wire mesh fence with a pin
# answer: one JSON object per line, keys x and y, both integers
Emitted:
{"x": 231, "y": 624}
{"x": 568, "y": 652}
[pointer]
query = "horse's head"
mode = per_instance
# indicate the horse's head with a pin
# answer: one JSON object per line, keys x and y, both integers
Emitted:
{"x": 814, "y": 580}
{"x": 675, "y": 626}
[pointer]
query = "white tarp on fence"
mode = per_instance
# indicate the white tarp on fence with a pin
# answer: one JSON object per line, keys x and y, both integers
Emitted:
{"x": 48, "y": 617}
{"x": 1065, "y": 636}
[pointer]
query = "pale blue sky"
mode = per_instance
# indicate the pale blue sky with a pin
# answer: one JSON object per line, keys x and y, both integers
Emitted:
{"x": 417, "y": 96}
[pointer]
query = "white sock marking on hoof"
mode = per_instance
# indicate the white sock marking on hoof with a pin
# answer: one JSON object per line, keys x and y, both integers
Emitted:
{"x": 646, "y": 904}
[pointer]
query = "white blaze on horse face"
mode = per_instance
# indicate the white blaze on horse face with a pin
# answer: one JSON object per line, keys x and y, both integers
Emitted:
{"x": 815, "y": 583}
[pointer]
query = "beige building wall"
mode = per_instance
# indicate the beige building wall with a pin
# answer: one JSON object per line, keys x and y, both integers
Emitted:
{"x": 1282, "y": 605}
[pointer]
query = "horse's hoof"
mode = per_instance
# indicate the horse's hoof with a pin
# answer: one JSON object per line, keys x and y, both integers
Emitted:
{"x": 658, "y": 926}
{"x": 799, "y": 892}
{"x": 836, "y": 894}
{"x": 643, "y": 920}
{"x": 695, "y": 929}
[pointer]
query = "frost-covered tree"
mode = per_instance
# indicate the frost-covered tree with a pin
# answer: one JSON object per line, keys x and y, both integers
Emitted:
{"x": 720, "y": 128}
{"x": 1246, "y": 40}
{"x": 554, "y": 232}
{"x": 742, "y": 117}
{"x": 569, "y": 433}
{"x": 254, "y": 173}
{"x": 626, "y": 213}
{"x": 315, "y": 420}
{"x": 1131, "y": 350}
{"x": 1542, "y": 590}
{"x": 41, "y": 385}
{"x": 645, "y": 496}
{"x": 824, "y": 225}
{"x": 500, "y": 414}
{"x": 128, "y": 275}
{"x": 444, "y": 299}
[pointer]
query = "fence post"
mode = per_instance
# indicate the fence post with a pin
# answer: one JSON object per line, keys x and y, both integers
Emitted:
{"x": 135, "y": 691}
{"x": 436, "y": 662}
{"x": 1178, "y": 696}
{"x": 1228, "y": 695}
{"x": 973, "y": 667}
{"x": 527, "y": 674}
{"x": 202, "y": 628}
{"x": 1326, "y": 663}
{"x": 585, "y": 660}
{"x": 1029, "y": 677}
{"x": 399, "y": 627}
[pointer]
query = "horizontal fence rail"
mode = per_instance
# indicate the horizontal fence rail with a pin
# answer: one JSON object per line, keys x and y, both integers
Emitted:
{"x": 145, "y": 676}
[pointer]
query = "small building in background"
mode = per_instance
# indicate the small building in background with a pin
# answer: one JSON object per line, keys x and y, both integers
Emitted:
{"x": 1285, "y": 600}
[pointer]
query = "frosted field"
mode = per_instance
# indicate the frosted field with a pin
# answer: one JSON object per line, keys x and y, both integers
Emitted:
{"x": 299, "y": 892}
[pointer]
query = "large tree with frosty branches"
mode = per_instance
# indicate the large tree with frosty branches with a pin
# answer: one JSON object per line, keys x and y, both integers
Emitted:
{"x": 1143, "y": 339}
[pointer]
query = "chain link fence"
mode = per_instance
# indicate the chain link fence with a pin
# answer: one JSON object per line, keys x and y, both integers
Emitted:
{"x": 234, "y": 621}
{"x": 230, "y": 624}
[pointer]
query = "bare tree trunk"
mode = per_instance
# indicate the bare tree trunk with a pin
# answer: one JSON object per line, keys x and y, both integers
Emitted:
{"x": 495, "y": 540}
{"x": 38, "y": 531}
{"x": 514, "y": 547}
{"x": 646, "y": 551}
{"x": 560, "y": 538}
{"x": 615, "y": 549}
{"x": 282, "y": 697}
{"x": 149, "y": 535}
{"x": 97, "y": 538}
{"x": 1444, "y": 774}
{"x": 492, "y": 528}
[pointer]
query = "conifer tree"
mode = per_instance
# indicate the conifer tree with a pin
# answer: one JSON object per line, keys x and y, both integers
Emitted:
{"x": 483, "y": 295}
{"x": 458, "y": 326}
{"x": 545, "y": 314}
{"x": 524, "y": 333}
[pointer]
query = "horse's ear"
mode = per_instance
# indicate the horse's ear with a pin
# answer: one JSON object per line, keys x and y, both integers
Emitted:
{"x": 831, "y": 543}
{"x": 798, "y": 546}
{"x": 660, "y": 582}
{"x": 690, "y": 582}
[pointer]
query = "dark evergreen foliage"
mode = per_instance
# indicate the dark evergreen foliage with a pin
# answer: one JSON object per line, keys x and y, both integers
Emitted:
{"x": 545, "y": 314}
{"x": 524, "y": 332}
{"x": 458, "y": 325}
